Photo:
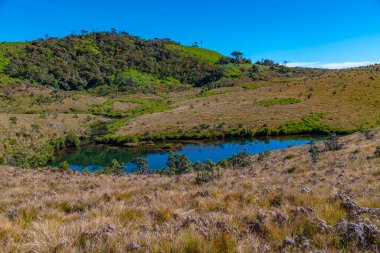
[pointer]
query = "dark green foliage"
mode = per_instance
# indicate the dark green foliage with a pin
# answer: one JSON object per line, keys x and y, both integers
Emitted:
{"x": 13, "y": 120}
{"x": 89, "y": 60}
{"x": 142, "y": 165}
{"x": 369, "y": 134}
{"x": 263, "y": 155}
{"x": 178, "y": 164}
{"x": 114, "y": 167}
{"x": 239, "y": 160}
{"x": 314, "y": 152}
{"x": 64, "y": 167}
{"x": 377, "y": 152}
{"x": 332, "y": 143}
{"x": 72, "y": 140}
{"x": 32, "y": 157}
{"x": 206, "y": 171}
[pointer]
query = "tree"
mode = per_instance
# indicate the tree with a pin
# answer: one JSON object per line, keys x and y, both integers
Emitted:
{"x": 238, "y": 55}
{"x": 178, "y": 164}
{"x": 142, "y": 165}
{"x": 240, "y": 160}
{"x": 285, "y": 62}
{"x": 115, "y": 167}
{"x": 83, "y": 32}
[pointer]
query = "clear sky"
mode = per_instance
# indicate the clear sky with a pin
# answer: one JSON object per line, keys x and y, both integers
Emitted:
{"x": 327, "y": 33}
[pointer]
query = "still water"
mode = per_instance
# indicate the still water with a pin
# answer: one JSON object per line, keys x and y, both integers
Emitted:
{"x": 96, "y": 157}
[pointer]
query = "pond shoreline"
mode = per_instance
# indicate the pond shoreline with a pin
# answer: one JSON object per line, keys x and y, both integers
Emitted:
{"x": 94, "y": 155}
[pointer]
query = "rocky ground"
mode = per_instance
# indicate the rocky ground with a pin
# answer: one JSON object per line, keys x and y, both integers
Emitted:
{"x": 282, "y": 203}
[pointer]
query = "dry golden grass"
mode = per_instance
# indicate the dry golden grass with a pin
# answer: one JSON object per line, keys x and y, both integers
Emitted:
{"x": 349, "y": 98}
{"x": 43, "y": 211}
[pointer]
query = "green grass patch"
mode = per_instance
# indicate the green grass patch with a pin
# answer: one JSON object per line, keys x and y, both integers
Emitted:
{"x": 7, "y": 48}
{"x": 202, "y": 53}
{"x": 209, "y": 93}
{"x": 146, "y": 106}
{"x": 310, "y": 124}
{"x": 250, "y": 86}
{"x": 281, "y": 101}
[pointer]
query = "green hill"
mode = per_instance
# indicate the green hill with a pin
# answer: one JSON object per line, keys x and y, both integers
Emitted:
{"x": 128, "y": 63}
{"x": 196, "y": 52}
{"x": 86, "y": 61}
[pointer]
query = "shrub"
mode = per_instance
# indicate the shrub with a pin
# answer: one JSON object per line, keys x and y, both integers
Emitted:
{"x": 332, "y": 143}
{"x": 13, "y": 120}
{"x": 314, "y": 152}
{"x": 239, "y": 160}
{"x": 377, "y": 152}
{"x": 290, "y": 156}
{"x": 64, "y": 167}
{"x": 263, "y": 155}
{"x": 114, "y": 167}
{"x": 72, "y": 140}
{"x": 369, "y": 134}
{"x": 178, "y": 164}
{"x": 206, "y": 171}
{"x": 142, "y": 165}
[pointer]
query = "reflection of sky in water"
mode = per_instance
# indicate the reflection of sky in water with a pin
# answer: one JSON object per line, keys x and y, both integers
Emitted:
{"x": 96, "y": 157}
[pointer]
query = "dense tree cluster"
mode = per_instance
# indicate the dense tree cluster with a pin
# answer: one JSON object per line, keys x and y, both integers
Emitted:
{"x": 237, "y": 58}
{"x": 100, "y": 58}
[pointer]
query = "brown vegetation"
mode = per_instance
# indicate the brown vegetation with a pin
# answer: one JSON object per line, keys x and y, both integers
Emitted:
{"x": 282, "y": 202}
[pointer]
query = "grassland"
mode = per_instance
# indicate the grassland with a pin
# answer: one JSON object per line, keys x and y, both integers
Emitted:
{"x": 202, "y": 53}
{"x": 281, "y": 202}
{"x": 348, "y": 100}
{"x": 338, "y": 101}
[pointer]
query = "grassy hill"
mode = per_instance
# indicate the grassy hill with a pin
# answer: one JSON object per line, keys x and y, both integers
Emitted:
{"x": 281, "y": 202}
{"x": 126, "y": 63}
{"x": 196, "y": 52}
{"x": 117, "y": 88}
{"x": 339, "y": 101}
{"x": 108, "y": 59}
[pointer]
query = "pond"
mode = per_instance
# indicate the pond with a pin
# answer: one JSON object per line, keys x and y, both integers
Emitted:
{"x": 96, "y": 157}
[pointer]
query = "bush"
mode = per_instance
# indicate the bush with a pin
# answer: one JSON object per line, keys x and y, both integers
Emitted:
{"x": 64, "y": 167}
{"x": 332, "y": 143}
{"x": 263, "y": 155}
{"x": 239, "y": 160}
{"x": 369, "y": 134}
{"x": 178, "y": 164}
{"x": 206, "y": 171}
{"x": 142, "y": 165}
{"x": 314, "y": 152}
{"x": 72, "y": 140}
{"x": 114, "y": 167}
{"x": 377, "y": 152}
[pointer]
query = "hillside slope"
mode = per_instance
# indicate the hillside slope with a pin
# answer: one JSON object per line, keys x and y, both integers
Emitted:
{"x": 339, "y": 101}
{"x": 85, "y": 61}
{"x": 281, "y": 202}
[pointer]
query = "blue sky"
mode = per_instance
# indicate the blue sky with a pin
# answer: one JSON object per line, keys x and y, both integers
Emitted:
{"x": 327, "y": 33}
